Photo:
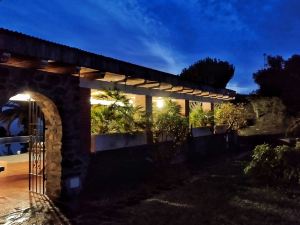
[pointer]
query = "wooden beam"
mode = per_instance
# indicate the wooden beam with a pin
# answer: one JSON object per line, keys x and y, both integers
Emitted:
{"x": 187, "y": 90}
{"x": 38, "y": 64}
{"x": 213, "y": 95}
{"x": 148, "y": 84}
{"x": 56, "y": 67}
{"x": 197, "y": 92}
{"x": 20, "y": 62}
{"x": 226, "y": 97}
{"x": 164, "y": 86}
{"x": 204, "y": 93}
{"x": 176, "y": 89}
{"x": 135, "y": 81}
{"x": 113, "y": 77}
{"x": 93, "y": 75}
{"x": 103, "y": 85}
{"x": 219, "y": 96}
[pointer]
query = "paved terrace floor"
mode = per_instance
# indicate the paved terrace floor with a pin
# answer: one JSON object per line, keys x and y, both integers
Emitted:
{"x": 17, "y": 204}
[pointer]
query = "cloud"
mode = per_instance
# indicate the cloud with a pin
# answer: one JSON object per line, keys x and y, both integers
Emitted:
{"x": 166, "y": 34}
{"x": 172, "y": 62}
{"x": 241, "y": 88}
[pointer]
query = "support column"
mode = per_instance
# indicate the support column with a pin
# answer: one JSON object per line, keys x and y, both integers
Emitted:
{"x": 85, "y": 122}
{"x": 145, "y": 102}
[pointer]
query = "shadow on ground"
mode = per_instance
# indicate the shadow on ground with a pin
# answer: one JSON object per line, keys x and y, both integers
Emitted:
{"x": 213, "y": 191}
{"x": 38, "y": 210}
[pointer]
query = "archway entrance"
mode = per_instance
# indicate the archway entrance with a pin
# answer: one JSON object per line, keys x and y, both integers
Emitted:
{"x": 41, "y": 140}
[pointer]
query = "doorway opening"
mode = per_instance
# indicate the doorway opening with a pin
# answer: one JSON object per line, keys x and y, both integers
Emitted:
{"x": 30, "y": 146}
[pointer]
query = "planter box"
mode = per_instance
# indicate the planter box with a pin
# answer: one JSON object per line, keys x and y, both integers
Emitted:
{"x": 201, "y": 131}
{"x": 115, "y": 141}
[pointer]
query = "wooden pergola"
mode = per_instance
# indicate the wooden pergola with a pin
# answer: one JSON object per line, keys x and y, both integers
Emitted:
{"x": 100, "y": 72}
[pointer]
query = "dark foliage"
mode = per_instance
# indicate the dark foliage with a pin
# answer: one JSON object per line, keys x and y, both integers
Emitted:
{"x": 212, "y": 72}
{"x": 281, "y": 78}
{"x": 293, "y": 129}
{"x": 270, "y": 164}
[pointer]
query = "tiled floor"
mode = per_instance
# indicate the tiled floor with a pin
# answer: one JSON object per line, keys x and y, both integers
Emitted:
{"x": 17, "y": 204}
{"x": 13, "y": 183}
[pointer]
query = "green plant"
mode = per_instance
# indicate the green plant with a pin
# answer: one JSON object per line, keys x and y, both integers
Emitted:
{"x": 201, "y": 118}
{"x": 118, "y": 117}
{"x": 281, "y": 163}
{"x": 290, "y": 164}
{"x": 233, "y": 116}
{"x": 263, "y": 162}
{"x": 169, "y": 125}
{"x": 293, "y": 129}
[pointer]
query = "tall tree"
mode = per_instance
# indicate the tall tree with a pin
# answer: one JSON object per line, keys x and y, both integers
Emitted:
{"x": 281, "y": 78}
{"x": 208, "y": 71}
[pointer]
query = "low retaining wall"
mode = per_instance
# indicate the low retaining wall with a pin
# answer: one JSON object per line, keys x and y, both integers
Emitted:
{"x": 116, "y": 141}
{"x": 201, "y": 131}
{"x": 112, "y": 169}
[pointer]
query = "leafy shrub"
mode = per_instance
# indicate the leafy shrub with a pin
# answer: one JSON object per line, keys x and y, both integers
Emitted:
{"x": 233, "y": 116}
{"x": 293, "y": 129}
{"x": 269, "y": 111}
{"x": 201, "y": 118}
{"x": 119, "y": 117}
{"x": 262, "y": 163}
{"x": 281, "y": 163}
{"x": 169, "y": 125}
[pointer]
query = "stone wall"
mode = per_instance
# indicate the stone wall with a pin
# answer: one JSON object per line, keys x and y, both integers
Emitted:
{"x": 59, "y": 98}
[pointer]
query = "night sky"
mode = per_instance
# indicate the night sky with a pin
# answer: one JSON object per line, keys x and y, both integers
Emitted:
{"x": 166, "y": 35}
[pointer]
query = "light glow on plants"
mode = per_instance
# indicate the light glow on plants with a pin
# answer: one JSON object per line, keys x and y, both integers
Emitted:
{"x": 160, "y": 103}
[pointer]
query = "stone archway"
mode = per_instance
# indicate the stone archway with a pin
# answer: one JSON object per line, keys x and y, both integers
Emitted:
{"x": 53, "y": 143}
{"x": 66, "y": 107}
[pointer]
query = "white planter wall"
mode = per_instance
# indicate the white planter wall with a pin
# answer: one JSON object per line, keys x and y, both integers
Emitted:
{"x": 201, "y": 131}
{"x": 114, "y": 141}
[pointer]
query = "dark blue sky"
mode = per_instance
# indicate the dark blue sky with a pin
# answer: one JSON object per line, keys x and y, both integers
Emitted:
{"x": 166, "y": 35}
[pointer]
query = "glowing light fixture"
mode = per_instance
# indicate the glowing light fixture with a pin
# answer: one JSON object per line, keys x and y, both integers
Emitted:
{"x": 21, "y": 97}
{"x": 160, "y": 103}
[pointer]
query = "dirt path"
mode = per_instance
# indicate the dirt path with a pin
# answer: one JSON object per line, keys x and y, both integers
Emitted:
{"x": 216, "y": 194}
